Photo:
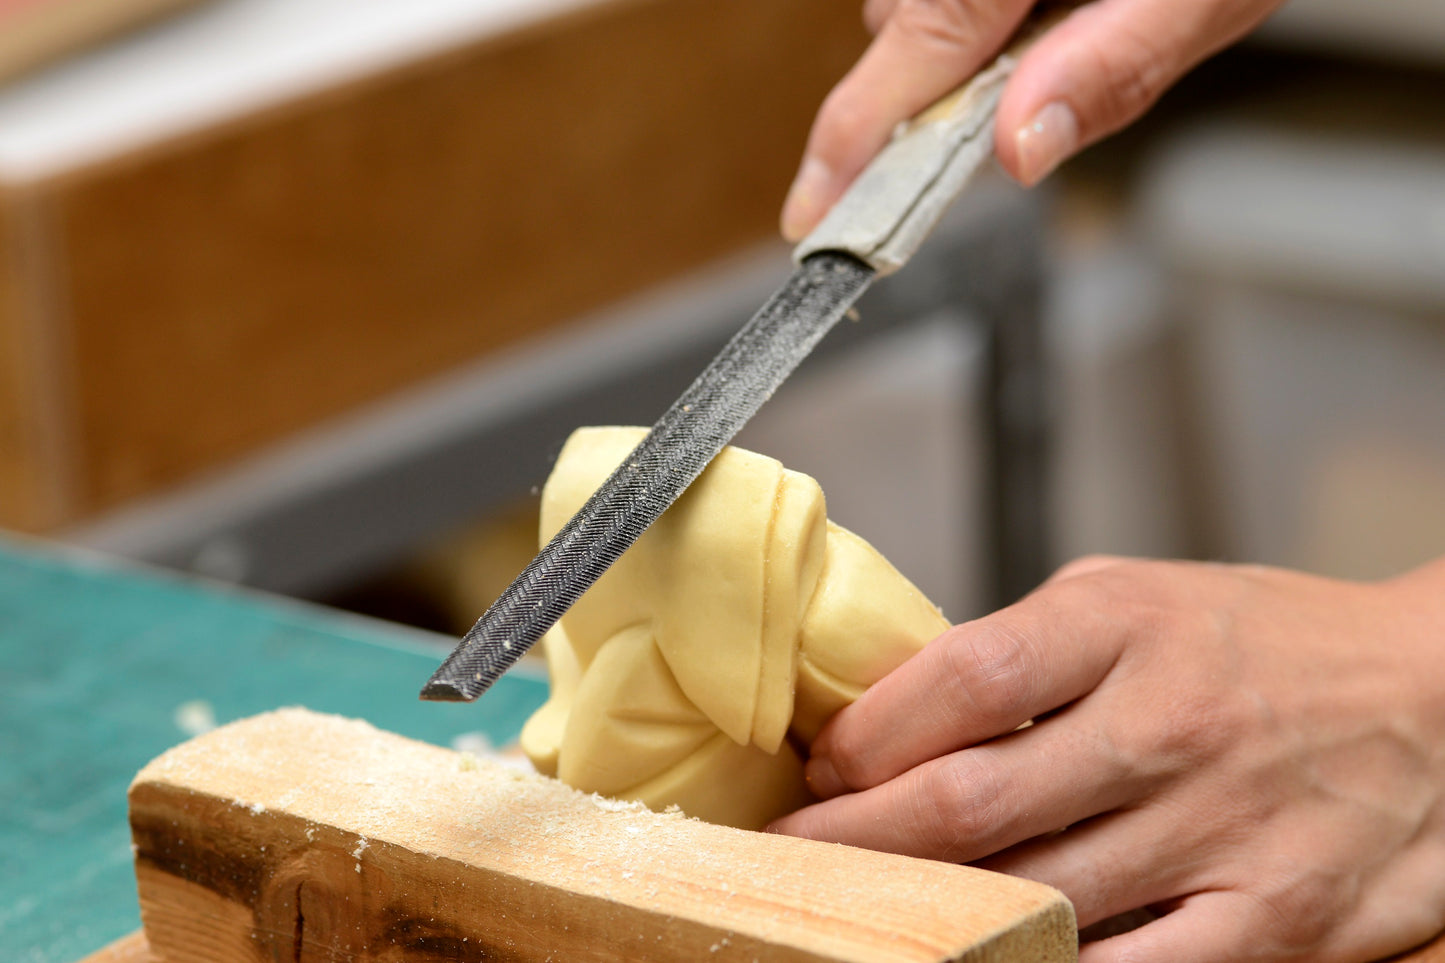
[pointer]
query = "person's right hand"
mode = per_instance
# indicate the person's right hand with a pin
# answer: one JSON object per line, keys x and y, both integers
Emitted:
{"x": 1254, "y": 755}
{"x": 1090, "y": 75}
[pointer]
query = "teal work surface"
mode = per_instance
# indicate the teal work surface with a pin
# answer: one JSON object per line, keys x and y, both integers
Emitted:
{"x": 96, "y": 659}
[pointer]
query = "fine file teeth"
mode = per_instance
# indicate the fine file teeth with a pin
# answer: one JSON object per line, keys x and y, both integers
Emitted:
{"x": 688, "y": 435}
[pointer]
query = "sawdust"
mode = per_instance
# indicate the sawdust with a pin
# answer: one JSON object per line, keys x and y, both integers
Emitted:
{"x": 390, "y": 788}
{"x": 195, "y": 717}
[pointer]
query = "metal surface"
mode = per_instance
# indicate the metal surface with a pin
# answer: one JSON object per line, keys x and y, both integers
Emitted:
{"x": 900, "y": 197}
{"x": 903, "y": 193}
{"x": 685, "y": 439}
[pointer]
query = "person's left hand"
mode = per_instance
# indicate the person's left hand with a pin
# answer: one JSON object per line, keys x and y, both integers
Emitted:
{"x": 1259, "y": 755}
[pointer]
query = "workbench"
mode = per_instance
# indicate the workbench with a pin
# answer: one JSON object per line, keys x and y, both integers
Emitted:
{"x": 99, "y": 656}
{"x": 104, "y": 662}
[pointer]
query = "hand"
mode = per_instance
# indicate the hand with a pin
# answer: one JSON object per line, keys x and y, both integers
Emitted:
{"x": 1259, "y": 755}
{"x": 1092, "y": 74}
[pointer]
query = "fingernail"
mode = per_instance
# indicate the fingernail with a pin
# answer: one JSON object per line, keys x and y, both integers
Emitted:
{"x": 803, "y": 208}
{"x": 1046, "y": 141}
{"x": 823, "y": 780}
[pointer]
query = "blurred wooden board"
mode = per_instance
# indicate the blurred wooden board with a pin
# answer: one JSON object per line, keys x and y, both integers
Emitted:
{"x": 36, "y": 32}
{"x": 173, "y": 301}
{"x": 301, "y": 835}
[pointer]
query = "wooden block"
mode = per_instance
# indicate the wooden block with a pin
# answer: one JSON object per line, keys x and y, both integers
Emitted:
{"x": 206, "y": 292}
{"x": 134, "y": 949}
{"x": 127, "y": 949}
{"x": 306, "y": 837}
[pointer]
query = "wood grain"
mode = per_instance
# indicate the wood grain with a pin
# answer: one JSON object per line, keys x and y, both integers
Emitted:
{"x": 305, "y": 837}
{"x": 132, "y": 948}
{"x": 231, "y": 287}
{"x": 35, "y": 447}
{"x": 18, "y": 468}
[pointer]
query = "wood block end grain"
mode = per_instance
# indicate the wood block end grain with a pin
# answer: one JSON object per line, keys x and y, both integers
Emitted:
{"x": 299, "y": 836}
{"x": 131, "y": 948}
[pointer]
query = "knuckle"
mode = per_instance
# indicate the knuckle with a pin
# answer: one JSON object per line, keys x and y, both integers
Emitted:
{"x": 1135, "y": 952}
{"x": 1202, "y": 723}
{"x": 1182, "y": 739}
{"x": 1300, "y": 910}
{"x": 845, "y": 121}
{"x": 1120, "y": 586}
{"x": 848, "y": 753}
{"x": 1135, "y": 73}
{"x": 1083, "y": 591}
{"x": 990, "y": 668}
{"x": 1208, "y": 711}
{"x": 946, "y": 24}
{"x": 1085, "y": 564}
{"x": 964, "y": 804}
{"x": 876, "y": 13}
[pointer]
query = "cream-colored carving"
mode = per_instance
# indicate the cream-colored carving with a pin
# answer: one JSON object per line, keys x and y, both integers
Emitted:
{"x": 695, "y": 670}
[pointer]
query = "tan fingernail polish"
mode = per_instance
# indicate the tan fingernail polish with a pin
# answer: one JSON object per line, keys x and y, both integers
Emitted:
{"x": 1046, "y": 141}
{"x": 801, "y": 209}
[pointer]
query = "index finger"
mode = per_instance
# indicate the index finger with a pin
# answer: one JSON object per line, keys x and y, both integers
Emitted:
{"x": 923, "y": 50}
{"x": 977, "y": 681}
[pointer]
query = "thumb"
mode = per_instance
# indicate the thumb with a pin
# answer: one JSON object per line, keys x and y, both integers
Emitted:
{"x": 1104, "y": 66}
{"x": 924, "y": 49}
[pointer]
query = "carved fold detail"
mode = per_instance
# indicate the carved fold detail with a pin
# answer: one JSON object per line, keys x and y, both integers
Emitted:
{"x": 710, "y": 654}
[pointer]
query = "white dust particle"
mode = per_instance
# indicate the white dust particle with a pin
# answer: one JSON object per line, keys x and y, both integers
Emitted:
{"x": 475, "y": 743}
{"x": 195, "y": 717}
{"x": 609, "y": 805}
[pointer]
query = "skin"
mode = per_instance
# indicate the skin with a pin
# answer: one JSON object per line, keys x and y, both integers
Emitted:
{"x": 1103, "y": 66}
{"x": 1257, "y": 755}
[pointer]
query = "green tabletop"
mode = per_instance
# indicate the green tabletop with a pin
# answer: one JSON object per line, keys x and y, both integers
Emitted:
{"x": 97, "y": 662}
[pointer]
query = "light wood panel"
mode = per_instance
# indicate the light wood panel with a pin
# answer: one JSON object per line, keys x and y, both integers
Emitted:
{"x": 134, "y": 949}
{"x": 127, "y": 949}
{"x": 35, "y": 32}
{"x": 306, "y": 837}
{"x": 230, "y": 287}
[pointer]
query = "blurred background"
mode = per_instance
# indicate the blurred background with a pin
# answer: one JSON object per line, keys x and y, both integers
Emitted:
{"x": 306, "y": 294}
